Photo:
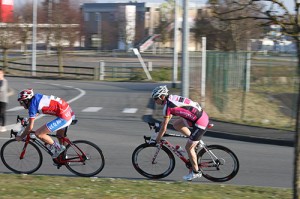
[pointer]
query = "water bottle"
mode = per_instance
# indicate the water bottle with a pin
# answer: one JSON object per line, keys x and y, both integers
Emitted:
{"x": 180, "y": 149}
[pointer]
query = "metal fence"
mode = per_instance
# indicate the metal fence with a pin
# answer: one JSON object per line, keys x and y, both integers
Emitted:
{"x": 248, "y": 88}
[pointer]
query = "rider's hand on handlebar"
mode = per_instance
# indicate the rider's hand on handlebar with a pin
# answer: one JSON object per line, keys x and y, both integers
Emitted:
{"x": 157, "y": 140}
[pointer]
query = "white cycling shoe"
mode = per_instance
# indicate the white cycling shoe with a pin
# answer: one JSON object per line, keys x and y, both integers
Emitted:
{"x": 57, "y": 151}
{"x": 192, "y": 176}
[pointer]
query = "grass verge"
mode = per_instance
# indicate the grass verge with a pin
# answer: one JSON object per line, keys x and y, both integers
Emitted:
{"x": 34, "y": 186}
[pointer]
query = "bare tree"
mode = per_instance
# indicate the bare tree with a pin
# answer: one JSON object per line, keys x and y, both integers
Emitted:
{"x": 272, "y": 12}
{"x": 9, "y": 36}
{"x": 64, "y": 30}
{"x": 24, "y": 18}
{"x": 235, "y": 33}
{"x": 166, "y": 21}
{"x": 8, "y": 39}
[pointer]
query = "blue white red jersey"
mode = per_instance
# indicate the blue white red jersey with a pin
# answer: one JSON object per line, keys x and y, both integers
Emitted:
{"x": 50, "y": 105}
{"x": 182, "y": 107}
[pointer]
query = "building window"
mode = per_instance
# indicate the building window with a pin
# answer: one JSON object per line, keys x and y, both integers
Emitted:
{"x": 112, "y": 16}
{"x": 98, "y": 17}
{"x": 95, "y": 41}
{"x": 86, "y": 16}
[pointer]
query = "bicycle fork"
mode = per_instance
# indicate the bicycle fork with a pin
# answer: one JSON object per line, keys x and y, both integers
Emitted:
{"x": 23, "y": 150}
{"x": 158, "y": 147}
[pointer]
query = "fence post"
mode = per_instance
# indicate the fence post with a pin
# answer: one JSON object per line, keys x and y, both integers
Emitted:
{"x": 150, "y": 65}
{"x": 203, "y": 72}
{"x": 102, "y": 70}
{"x": 96, "y": 73}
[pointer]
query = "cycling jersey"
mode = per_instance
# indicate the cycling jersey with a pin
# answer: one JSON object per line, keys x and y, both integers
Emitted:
{"x": 189, "y": 110}
{"x": 50, "y": 105}
{"x": 183, "y": 107}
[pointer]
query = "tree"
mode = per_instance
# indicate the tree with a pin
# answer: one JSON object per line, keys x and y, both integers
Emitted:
{"x": 64, "y": 29}
{"x": 8, "y": 39}
{"x": 24, "y": 18}
{"x": 9, "y": 36}
{"x": 272, "y": 12}
{"x": 226, "y": 35}
{"x": 166, "y": 21}
{"x": 215, "y": 37}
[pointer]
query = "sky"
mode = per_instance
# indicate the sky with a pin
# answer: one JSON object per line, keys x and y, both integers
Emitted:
{"x": 288, "y": 3}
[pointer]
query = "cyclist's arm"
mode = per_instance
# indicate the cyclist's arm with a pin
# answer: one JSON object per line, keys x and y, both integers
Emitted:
{"x": 163, "y": 128}
{"x": 27, "y": 130}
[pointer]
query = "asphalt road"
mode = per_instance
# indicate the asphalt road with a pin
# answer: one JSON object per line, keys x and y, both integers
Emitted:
{"x": 114, "y": 122}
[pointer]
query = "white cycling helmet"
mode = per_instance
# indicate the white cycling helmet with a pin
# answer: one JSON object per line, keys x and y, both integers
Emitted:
{"x": 25, "y": 94}
{"x": 159, "y": 91}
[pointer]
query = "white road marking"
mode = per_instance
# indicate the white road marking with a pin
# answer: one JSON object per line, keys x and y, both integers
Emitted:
{"x": 17, "y": 108}
{"x": 130, "y": 110}
{"x": 92, "y": 109}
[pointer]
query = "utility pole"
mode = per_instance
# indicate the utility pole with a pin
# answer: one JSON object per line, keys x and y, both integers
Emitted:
{"x": 34, "y": 24}
{"x": 175, "y": 54}
{"x": 296, "y": 180}
{"x": 185, "y": 54}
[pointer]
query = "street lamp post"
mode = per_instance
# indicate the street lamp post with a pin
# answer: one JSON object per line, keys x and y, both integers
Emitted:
{"x": 296, "y": 180}
{"x": 34, "y": 24}
{"x": 185, "y": 53}
{"x": 175, "y": 54}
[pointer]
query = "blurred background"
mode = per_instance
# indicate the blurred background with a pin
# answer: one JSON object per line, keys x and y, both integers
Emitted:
{"x": 242, "y": 71}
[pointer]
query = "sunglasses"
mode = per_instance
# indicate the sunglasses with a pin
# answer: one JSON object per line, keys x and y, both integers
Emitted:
{"x": 156, "y": 98}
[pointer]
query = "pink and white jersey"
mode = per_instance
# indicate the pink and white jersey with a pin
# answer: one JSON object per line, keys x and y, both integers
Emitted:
{"x": 49, "y": 105}
{"x": 182, "y": 107}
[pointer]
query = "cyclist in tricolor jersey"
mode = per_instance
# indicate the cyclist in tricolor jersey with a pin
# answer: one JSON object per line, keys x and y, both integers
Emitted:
{"x": 191, "y": 116}
{"x": 50, "y": 105}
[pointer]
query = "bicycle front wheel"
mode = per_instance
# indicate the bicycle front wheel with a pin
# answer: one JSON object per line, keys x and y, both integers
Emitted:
{"x": 92, "y": 161}
{"x": 19, "y": 159}
{"x": 153, "y": 162}
{"x": 218, "y": 163}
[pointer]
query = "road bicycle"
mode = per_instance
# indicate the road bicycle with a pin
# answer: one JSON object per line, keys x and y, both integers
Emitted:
{"x": 217, "y": 163}
{"x": 81, "y": 157}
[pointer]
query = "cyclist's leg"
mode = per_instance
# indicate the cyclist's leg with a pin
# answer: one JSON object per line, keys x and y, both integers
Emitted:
{"x": 52, "y": 126}
{"x": 181, "y": 125}
{"x": 196, "y": 135}
{"x": 61, "y": 131}
{"x": 190, "y": 148}
{"x": 60, "y": 134}
{"x": 42, "y": 133}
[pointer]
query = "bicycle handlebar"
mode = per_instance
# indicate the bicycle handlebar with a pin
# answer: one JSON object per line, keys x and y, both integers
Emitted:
{"x": 174, "y": 135}
{"x": 156, "y": 127}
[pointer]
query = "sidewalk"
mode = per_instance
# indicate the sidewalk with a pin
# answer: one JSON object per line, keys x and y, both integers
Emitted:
{"x": 239, "y": 132}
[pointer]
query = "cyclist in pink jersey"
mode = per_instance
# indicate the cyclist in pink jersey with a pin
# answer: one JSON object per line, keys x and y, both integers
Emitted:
{"x": 191, "y": 116}
{"x": 50, "y": 105}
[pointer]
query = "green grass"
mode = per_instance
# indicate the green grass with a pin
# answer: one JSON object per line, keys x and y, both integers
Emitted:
{"x": 33, "y": 186}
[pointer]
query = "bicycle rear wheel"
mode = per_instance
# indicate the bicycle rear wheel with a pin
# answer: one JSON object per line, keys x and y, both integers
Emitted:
{"x": 218, "y": 164}
{"x": 93, "y": 159}
{"x": 152, "y": 163}
{"x": 11, "y": 157}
